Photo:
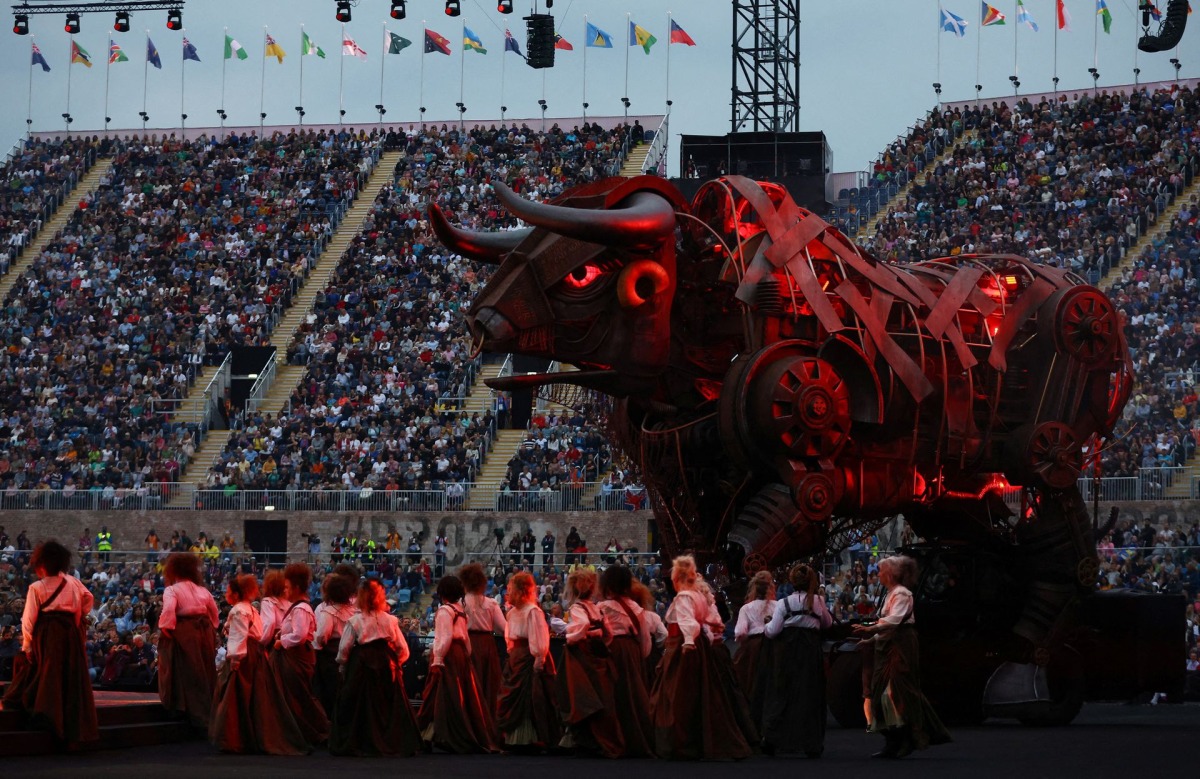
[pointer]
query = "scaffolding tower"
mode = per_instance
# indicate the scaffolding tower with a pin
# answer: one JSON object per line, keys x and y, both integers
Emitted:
{"x": 766, "y": 66}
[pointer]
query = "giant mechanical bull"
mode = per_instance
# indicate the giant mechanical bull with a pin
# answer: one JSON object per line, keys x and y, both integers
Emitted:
{"x": 783, "y": 391}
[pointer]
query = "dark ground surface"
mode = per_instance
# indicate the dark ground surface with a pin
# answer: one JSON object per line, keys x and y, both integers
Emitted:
{"x": 1137, "y": 742}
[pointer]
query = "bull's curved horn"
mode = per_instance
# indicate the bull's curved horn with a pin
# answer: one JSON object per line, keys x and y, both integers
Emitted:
{"x": 646, "y": 219}
{"x": 484, "y": 247}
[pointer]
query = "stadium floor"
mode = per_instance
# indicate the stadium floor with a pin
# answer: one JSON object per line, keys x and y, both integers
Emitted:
{"x": 1106, "y": 740}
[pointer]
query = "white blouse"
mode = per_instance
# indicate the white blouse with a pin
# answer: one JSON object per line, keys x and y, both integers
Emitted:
{"x": 654, "y": 627}
{"x": 363, "y": 628}
{"x": 331, "y": 623}
{"x": 73, "y": 599}
{"x": 528, "y": 622}
{"x": 483, "y": 613}
{"x": 579, "y": 623}
{"x": 298, "y": 627}
{"x": 752, "y": 618}
{"x": 820, "y": 619}
{"x": 272, "y": 610}
{"x": 689, "y": 612}
{"x": 897, "y": 610}
{"x": 619, "y": 623}
{"x": 242, "y": 626}
{"x": 449, "y": 625}
{"x": 187, "y": 599}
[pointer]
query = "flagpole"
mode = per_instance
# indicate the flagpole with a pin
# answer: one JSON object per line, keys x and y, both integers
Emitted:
{"x": 628, "y": 46}
{"x": 303, "y": 51}
{"x": 978, "y": 60}
{"x": 938, "y": 72}
{"x": 223, "y": 59}
{"x": 1016, "y": 43}
{"x": 145, "y": 82}
{"x": 182, "y": 71}
{"x": 70, "y": 70}
{"x": 1136, "y": 70}
{"x": 382, "y": 62}
{"x": 503, "y": 61}
{"x": 585, "y": 48}
{"x": 668, "y": 61}
{"x": 107, "y": 65}
{"x": 421, "y": 99}
{"x": 1095, "y": 51}
{"x": 29, "y": 107}
{"x": 462, "y": 76}
{"x": 543, "y": 102}
{"x": 262, "y": 86}
{"x": 1056, "y": 20}
{"x": 341, "y": 74}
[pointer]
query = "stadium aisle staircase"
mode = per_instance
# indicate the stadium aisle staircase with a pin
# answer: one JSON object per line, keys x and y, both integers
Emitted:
{"x": 633, "y": 163}
{"x": 922, "y": 177}
{"x": 1156, "y": 230}
{"x": 56, "y": 223}
{"x": 491, "y": 475}
{"x": 288, "y": 377}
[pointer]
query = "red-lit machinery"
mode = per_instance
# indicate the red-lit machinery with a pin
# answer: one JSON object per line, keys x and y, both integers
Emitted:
{"x": 785, "y": 393}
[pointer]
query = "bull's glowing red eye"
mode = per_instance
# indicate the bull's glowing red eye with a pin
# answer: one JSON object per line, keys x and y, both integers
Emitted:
{"x": 582, "y": 276}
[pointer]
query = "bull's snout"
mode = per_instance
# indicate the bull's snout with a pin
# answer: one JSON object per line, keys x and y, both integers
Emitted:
{"x": 491, "y": 326}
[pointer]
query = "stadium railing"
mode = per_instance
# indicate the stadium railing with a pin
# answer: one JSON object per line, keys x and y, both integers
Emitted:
{"x": 1148, "y": 484}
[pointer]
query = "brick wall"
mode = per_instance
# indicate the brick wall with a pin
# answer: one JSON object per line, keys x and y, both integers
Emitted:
{"x": 466, "y": 531}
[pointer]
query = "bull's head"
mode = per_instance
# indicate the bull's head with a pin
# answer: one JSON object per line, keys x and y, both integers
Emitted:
{"x": 590, "y": 282}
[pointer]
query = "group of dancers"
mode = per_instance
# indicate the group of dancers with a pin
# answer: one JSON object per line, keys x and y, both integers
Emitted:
{"x": 631, "y": 684}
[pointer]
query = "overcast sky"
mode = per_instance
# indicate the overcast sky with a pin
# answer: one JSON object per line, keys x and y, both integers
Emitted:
{"x": 866, "y": 65}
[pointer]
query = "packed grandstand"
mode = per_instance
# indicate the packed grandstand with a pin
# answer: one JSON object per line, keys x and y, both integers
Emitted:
{"x": 189, "y": 248}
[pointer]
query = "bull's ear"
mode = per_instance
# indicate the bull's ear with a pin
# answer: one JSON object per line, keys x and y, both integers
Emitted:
{"x": 644, "y": 219}
{"x": 483, "y": 247}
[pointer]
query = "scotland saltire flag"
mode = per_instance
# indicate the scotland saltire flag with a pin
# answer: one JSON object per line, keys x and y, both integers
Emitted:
{"x": 953, "y": 23}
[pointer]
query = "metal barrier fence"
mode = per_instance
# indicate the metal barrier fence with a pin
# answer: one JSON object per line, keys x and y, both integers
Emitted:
{"x": 1149, "y": 484}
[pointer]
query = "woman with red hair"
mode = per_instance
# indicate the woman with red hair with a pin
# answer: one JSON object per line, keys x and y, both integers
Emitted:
{"x": 372, "y": 717}
{"x": 526, "y": 713}
{"x": 187, "y": 643}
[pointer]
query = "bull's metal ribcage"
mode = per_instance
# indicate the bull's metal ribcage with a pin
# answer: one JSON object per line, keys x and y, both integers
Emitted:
{"x": 576, "y": 398}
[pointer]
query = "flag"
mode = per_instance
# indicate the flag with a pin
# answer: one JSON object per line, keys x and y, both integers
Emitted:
{"x": 597, "y": 38}
{"x": 991, "y": 16}
{"x": 232, "y": 48}
{"x": 510, "y": 44}
{"x": 80, "y": 55}
{"x": 189, "y": 51}
{"x": 273, "y": 49}
{"x": 1105, "y": 16}
{"x": 152, "y": 54}
{"x": 435, "y": 42}
{"x": 38, "y": 59}
{"x": 953, "y": 23}
{"x": 562, "y": 43}
{"x": 1024, "y": 18}
{"x": 679, "y": 36}
{"x": 396, "y": 44}
{"x": 352, "y": 49}
{"x": 1064, "y": 16}
{"x": 640, "y": 36}
{"x": 471, "y": 41}
{"x": 1157, "y": 14}
{"x": 309, "y": 46}
{"x": 115, "y": 54}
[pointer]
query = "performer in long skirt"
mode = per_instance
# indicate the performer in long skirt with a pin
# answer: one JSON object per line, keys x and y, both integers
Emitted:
{"x": 187, "y": 643}
{"x": 630, "y": 647}
{"x": 272, "y": 606}
{"x": 334, "y": 611}
{"x": 654, "y": 627}
{"x": 794, "y": 711}
{"x": 526, "y": 712}
{"x": 692, "y": 705}
{"x": 752, "y": 663}
{"x": 50, "y": 677}
{"x": 372, "y": 717}
{"x": 293, "y": 660}
{"x": 721, "y": 664}
{"x": 452, "y": 715}
{"x": 896, "y": 707}
{"x": 585, "y": 685}
{"x": 244, "y": 719}
{"x": 485, "y": 622}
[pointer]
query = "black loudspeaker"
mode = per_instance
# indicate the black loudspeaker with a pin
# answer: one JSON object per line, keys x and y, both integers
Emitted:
{"x": 1170, "y": 31}
{"x": 539, "y": 40}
